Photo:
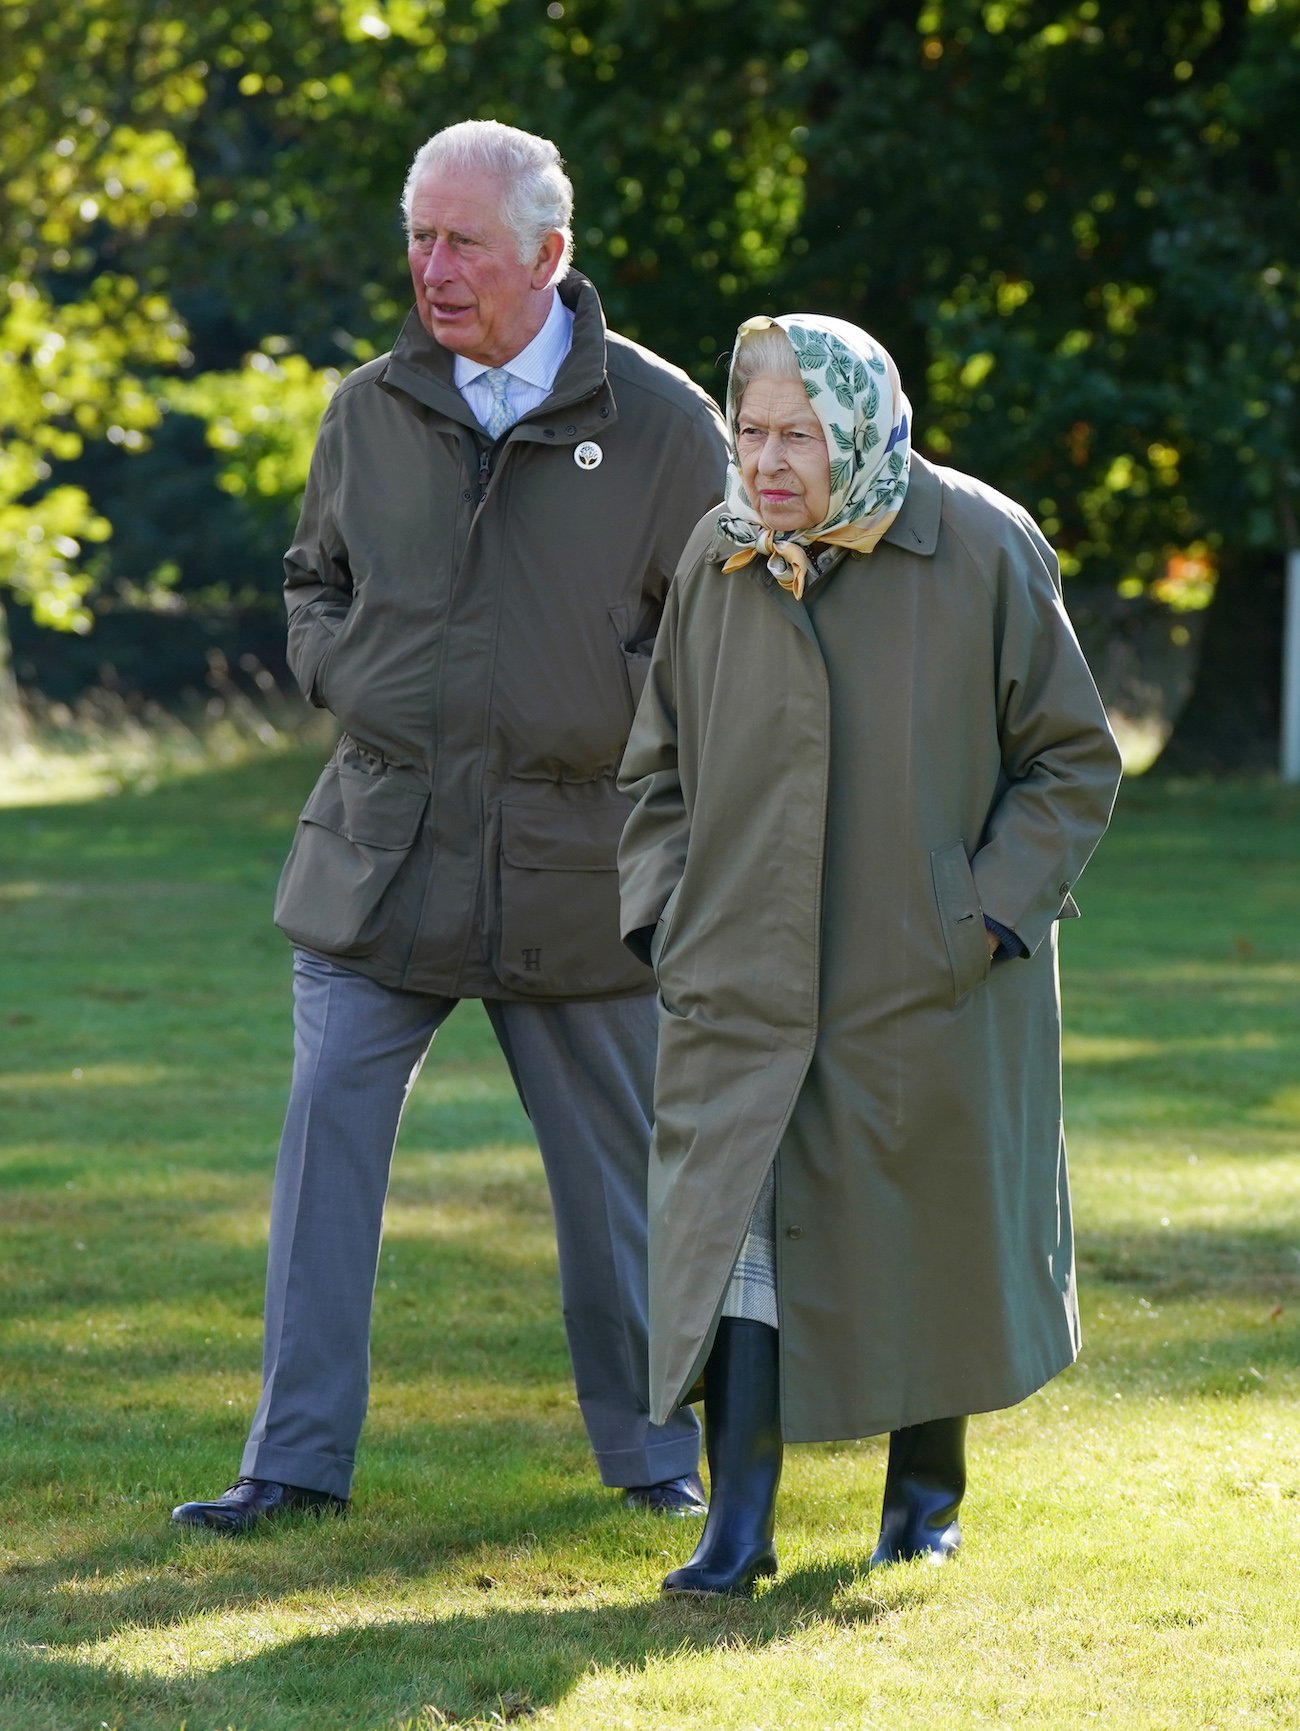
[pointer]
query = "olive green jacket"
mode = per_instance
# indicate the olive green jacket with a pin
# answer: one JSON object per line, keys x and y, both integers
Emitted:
{"x": 479, "y": 620}
{"x": 830, "y": 797}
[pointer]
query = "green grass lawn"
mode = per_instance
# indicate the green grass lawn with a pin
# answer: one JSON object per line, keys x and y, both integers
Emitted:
{"x": 1131, "y": 1533}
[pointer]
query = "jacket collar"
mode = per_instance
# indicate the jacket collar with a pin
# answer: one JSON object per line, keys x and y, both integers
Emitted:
{"x": 580, "y": 405}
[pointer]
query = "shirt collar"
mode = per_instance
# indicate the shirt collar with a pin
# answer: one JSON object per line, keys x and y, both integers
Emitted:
{"x": 539, "y": 362}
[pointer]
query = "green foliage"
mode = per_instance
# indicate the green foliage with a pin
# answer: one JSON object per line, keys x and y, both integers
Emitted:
{"x": 80, "y": 180}
{"x": 262, "y": 419}
{"x": 1071, "y": 223}
{"x": 68, "y": 374}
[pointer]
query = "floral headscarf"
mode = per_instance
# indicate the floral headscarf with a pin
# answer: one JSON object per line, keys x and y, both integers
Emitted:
{"x": 853, "y": 386}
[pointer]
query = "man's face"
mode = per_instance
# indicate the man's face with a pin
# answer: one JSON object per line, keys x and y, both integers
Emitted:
{"x": 473, "y": 295}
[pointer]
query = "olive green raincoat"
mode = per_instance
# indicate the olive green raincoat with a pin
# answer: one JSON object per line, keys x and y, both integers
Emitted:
{"x": 831, "y": 794}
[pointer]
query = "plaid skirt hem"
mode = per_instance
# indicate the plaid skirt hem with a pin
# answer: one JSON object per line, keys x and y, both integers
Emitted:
{"x": 751, "y": 1294}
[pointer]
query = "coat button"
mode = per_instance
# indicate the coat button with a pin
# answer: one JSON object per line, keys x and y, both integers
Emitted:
{"x": 1065, "y": 889}
{"x": 794, "y": 1231}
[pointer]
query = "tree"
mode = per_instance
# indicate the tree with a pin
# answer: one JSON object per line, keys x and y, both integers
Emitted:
{"x": 1071, "y": 223}
{"x": 79, "y": 179}
{"x": 1087, "y": 239}
{"x": 220, "y": 186}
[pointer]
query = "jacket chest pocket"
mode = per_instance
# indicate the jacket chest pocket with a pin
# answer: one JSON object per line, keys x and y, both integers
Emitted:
{"x": 557, "y": 927}
{"x": 355, "y": 832}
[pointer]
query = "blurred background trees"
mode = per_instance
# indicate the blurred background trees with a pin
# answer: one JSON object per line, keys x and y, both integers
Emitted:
{"x": 1074, "y": 225}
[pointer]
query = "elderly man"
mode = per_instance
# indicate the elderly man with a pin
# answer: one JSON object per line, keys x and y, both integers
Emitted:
{"x": 493, "y": 514}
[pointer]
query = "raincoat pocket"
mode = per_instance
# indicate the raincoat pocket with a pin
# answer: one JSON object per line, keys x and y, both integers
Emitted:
{"x": 355, "y": 831}
{"x": 557, "y": 933}
{"x": 659, "y": 942}
{"x": 961, "y": 918}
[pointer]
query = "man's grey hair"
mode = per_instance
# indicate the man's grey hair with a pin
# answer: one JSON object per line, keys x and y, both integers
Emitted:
{"x": 536, "y": 193}
{"x": 763, "y": 354}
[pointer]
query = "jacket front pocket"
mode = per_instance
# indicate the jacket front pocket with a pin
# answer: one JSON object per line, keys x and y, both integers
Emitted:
{"x": 557, "y": 931}
{"x": 961, "y": 918}
{"x": 354, "y": 833}
{"x": 634, "y": 656}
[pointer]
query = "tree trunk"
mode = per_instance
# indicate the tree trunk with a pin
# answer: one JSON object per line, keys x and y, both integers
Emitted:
{"x": 13, "y": 717}
{"x": 1289, "y": 754}
{"x": 1232, "y": 718}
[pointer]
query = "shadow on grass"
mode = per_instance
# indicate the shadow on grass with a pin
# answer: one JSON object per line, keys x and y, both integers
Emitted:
{"x": 1259, "y": 1264}
{"x": 473, "y": 1666}
{"x": 1192, "y": 1313}
{"x": 476, "y": 1298}
{"x": 151, "y": 1576}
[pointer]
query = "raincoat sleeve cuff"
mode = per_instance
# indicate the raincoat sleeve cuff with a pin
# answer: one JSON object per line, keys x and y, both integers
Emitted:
{"x": 1007, "y": 939}
{"x": 638, "y": 941}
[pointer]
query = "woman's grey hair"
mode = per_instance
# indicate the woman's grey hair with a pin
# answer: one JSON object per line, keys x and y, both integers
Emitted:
{"x": 536, "y": 193}
{"x": 765, "y": 354}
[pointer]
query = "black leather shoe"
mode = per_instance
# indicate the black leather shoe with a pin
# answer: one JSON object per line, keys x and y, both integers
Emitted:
{"x": 682, "y": 1497}
{"x": 248, "y": 1502}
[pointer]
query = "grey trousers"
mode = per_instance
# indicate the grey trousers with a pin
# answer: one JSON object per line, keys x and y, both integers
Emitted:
{"x": 584, "y": 1073}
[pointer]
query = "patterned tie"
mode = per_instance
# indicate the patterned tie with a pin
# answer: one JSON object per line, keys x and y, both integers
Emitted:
{"x": 500, "y": 415}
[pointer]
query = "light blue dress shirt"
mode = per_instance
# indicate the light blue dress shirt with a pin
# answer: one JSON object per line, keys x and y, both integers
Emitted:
{"x": 531, "y": 374}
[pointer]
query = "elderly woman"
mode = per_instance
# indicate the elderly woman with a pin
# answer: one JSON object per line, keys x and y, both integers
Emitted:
{"x": 869, "y": 765}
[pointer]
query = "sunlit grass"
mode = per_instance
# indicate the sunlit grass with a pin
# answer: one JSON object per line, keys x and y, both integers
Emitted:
{"x": 104, "y": 745}
{"x": 1129, "y": 1531}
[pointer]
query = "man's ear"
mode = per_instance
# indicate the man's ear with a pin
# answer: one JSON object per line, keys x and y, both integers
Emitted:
{"x": 549, "y": 255}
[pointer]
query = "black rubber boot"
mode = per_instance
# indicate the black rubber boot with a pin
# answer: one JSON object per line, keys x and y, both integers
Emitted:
{"x": 924, "y": 1485}
{"x": 742, "y": 1438}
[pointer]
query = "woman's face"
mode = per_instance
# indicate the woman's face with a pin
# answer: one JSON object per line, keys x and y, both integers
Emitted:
{"x": 782, "y": 453}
